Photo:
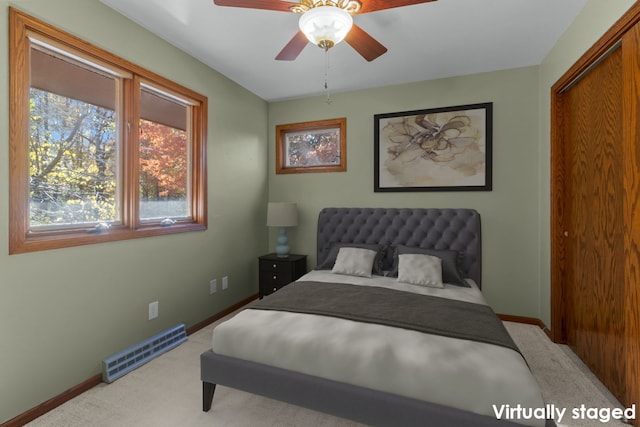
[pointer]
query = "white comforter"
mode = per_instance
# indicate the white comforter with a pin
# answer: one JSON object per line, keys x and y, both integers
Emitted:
{"x": 454, "y": 372}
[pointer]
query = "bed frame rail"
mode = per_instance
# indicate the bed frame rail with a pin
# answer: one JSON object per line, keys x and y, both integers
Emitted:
{"x": 359, "y": 404}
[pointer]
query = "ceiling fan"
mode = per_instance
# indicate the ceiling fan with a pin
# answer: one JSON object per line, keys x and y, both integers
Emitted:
{"x": 326, "y": 22}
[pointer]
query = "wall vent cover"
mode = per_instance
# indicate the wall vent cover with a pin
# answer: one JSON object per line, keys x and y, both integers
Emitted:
{"x": 127, "y": 360}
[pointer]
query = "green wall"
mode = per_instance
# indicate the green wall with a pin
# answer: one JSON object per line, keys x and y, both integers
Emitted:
{"x": 515, "y": 215}
{"x": 63, "y": 311}
{"x": 509, "y": 212}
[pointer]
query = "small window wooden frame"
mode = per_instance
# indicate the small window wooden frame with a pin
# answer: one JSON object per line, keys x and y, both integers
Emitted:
{"x": 307, "y": 159}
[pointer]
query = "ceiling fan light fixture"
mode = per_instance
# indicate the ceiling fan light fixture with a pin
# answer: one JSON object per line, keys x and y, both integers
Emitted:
{"x": 325, "y": 26}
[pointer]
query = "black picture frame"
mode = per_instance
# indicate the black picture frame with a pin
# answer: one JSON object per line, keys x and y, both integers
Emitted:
{"x": 435, "y": 149}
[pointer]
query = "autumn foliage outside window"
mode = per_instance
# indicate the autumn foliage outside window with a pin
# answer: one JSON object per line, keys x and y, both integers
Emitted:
{"x": 163, "y": 171}
{"x": 72, "y": 162}
{"x": 101, "y": 149}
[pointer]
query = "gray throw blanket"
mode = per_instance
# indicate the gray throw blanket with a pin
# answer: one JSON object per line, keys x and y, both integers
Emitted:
{"x": 423, "y": 313}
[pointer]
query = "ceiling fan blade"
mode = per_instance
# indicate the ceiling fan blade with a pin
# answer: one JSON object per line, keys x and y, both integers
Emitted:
{"x": 293, "y": 48}
{"x": 282, "y": 6}
{"x": 364, "y": 44}
{"x": 373, "y": 5}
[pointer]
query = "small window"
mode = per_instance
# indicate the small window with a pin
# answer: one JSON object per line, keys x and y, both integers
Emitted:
{"x": 318, "y": 146}
{"x": 100, "y": 149}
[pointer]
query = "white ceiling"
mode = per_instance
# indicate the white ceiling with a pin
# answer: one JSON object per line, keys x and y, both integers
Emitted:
{"x": 427, "y": 41}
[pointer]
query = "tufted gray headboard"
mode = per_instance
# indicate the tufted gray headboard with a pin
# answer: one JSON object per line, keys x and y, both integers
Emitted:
{"x": 450, "y": 229}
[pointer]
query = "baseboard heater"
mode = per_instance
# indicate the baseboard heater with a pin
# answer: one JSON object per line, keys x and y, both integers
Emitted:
{"x": 127, "y": 360}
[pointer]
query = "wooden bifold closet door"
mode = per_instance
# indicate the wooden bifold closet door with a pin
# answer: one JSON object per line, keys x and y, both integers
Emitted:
{"x": 595, "y": 224}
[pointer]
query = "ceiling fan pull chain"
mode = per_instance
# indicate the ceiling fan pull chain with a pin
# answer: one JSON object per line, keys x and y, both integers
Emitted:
{"x": 326, "y": 76}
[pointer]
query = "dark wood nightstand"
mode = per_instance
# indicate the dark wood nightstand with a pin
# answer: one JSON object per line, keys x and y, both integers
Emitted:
{"x": 276, "y": 272}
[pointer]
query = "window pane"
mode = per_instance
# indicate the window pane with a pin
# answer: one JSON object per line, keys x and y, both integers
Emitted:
{"x": 317, "y": 148}
{"x": 164, "y": 157}
{"x": 73, "y": 150}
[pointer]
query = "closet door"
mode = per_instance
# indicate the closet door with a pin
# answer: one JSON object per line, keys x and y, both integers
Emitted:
{"x": 594, "y": 282}
{"x": 595, "y": 208}
{"x": 631, "y": 209}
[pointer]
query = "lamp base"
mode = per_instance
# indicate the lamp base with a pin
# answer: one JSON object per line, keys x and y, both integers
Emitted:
{"x": 282, "y": 248}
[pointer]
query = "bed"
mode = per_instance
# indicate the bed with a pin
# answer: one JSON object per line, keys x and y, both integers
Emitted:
{"x": 335, "y": 341}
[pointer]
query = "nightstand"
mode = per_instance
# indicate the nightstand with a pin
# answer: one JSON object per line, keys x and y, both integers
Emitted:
{"x": 276, "y": 272}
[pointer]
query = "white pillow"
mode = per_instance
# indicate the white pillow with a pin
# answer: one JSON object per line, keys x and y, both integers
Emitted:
{"x": 420, "y": 269}
{"x": 354, "y": 262}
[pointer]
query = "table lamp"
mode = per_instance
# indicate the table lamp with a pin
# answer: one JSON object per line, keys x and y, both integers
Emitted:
{"x": 283, "y": 215}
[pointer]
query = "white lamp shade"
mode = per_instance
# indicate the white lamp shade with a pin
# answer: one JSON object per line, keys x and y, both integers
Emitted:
{"x": 282, "y": 214}
{"x": 325, "y": 23}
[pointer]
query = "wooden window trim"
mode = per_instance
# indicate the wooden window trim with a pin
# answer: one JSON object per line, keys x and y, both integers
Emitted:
{"x": 21, "y": 240}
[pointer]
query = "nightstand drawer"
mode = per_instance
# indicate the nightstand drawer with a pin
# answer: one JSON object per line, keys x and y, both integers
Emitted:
{"x": 275, "y": 272}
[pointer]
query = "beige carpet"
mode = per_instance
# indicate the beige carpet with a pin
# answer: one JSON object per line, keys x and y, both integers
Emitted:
{"x": 167, "y": 392}
{"x": 565, "y": 381}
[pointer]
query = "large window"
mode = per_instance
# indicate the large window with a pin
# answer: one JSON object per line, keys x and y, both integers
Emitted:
{"x": 100, "y": 149}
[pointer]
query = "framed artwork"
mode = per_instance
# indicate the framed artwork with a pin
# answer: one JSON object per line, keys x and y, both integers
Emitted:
{"x": 438, "y": 149}
{"x": 319, "y": 146}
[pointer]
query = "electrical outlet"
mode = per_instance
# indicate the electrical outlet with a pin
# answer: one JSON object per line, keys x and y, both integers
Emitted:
{"x": 153, "y": 310}
{"x": 213, "y": 286}
{"x": 225, "y": 282}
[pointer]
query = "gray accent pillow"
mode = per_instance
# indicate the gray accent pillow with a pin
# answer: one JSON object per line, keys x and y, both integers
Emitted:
{"x": 450, "y": 272}
{"x": 330, "y": 260}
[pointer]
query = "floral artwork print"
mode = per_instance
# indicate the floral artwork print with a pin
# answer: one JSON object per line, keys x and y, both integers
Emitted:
{"x": 434, "y": 150}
